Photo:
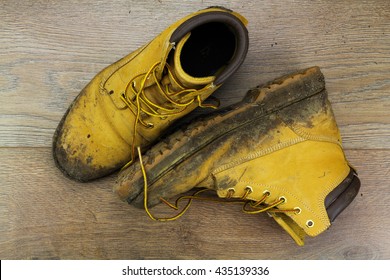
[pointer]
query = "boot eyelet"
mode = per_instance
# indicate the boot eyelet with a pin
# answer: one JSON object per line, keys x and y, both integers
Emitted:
{"x": 267, "y": 193}
{"x": 298, "y": 210}
{"x": 309, "y": 223}
{"x": 249, "y": 188}
{"x": 282, "y": 198}
{"x": 150, "y": 125}
{"x": 230, "y": 192}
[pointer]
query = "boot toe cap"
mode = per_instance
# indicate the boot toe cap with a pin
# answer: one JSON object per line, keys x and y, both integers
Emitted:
{"x": 84, "y": 154}
{"x": 74, "y": 162}
{"x": 74, "y": 168}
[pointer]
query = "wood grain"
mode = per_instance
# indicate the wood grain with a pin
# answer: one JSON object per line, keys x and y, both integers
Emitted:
{"x": 49, "y": 50}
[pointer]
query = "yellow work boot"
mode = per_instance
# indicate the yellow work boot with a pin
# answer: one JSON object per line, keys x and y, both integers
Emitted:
{"x": 278, "y": 151}
{"x": 131, "y": 102}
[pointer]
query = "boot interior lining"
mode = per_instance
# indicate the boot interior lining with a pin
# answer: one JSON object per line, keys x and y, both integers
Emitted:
{"x": 210, "y": 47}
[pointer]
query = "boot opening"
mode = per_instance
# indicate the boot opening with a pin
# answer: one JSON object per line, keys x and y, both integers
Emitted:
{"x": 210, "y": 47}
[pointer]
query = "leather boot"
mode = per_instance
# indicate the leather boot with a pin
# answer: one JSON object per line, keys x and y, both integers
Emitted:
{"x": 133, "y": 101}
{"x": 278, "y": 151}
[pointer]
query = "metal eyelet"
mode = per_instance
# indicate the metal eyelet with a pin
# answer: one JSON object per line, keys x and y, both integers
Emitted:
{"x": 230, "y": 192}
{"x": 297, "y": 210}
{"x": 267, "y": 193}
{"x": 248, "y": 191}
{"x": 150, "y": 125}
{"x": 309, "y": 223}
{"x": 282, "y": 198}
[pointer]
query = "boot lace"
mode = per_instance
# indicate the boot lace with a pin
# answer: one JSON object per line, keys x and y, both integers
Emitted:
{"x": 248, "y": 206}
{"x": 141, "y": 105}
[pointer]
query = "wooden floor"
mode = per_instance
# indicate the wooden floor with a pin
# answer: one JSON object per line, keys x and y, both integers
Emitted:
{"x": 49, "y": 50}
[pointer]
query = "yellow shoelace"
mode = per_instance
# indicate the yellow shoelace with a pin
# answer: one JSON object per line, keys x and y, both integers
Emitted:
{"x": 149, "y": 107}
{"x": 249, "y": 206}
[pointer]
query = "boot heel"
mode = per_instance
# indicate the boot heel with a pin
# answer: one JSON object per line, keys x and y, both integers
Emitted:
{"x": 342, "y": 195}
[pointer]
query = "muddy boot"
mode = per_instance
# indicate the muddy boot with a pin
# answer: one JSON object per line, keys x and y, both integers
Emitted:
{"x": 133, "y": 101}
{"x": 278, "y": 151}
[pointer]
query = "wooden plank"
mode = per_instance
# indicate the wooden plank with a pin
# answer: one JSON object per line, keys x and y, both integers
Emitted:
{"x": 48, "y": 53}
{"x": 44, "y": 215}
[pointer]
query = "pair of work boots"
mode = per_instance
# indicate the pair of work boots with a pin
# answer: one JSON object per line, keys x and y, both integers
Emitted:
{"x": 278, "y": 151}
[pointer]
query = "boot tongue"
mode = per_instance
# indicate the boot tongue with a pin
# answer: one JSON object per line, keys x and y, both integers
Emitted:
{"x": 185, "y": 80}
